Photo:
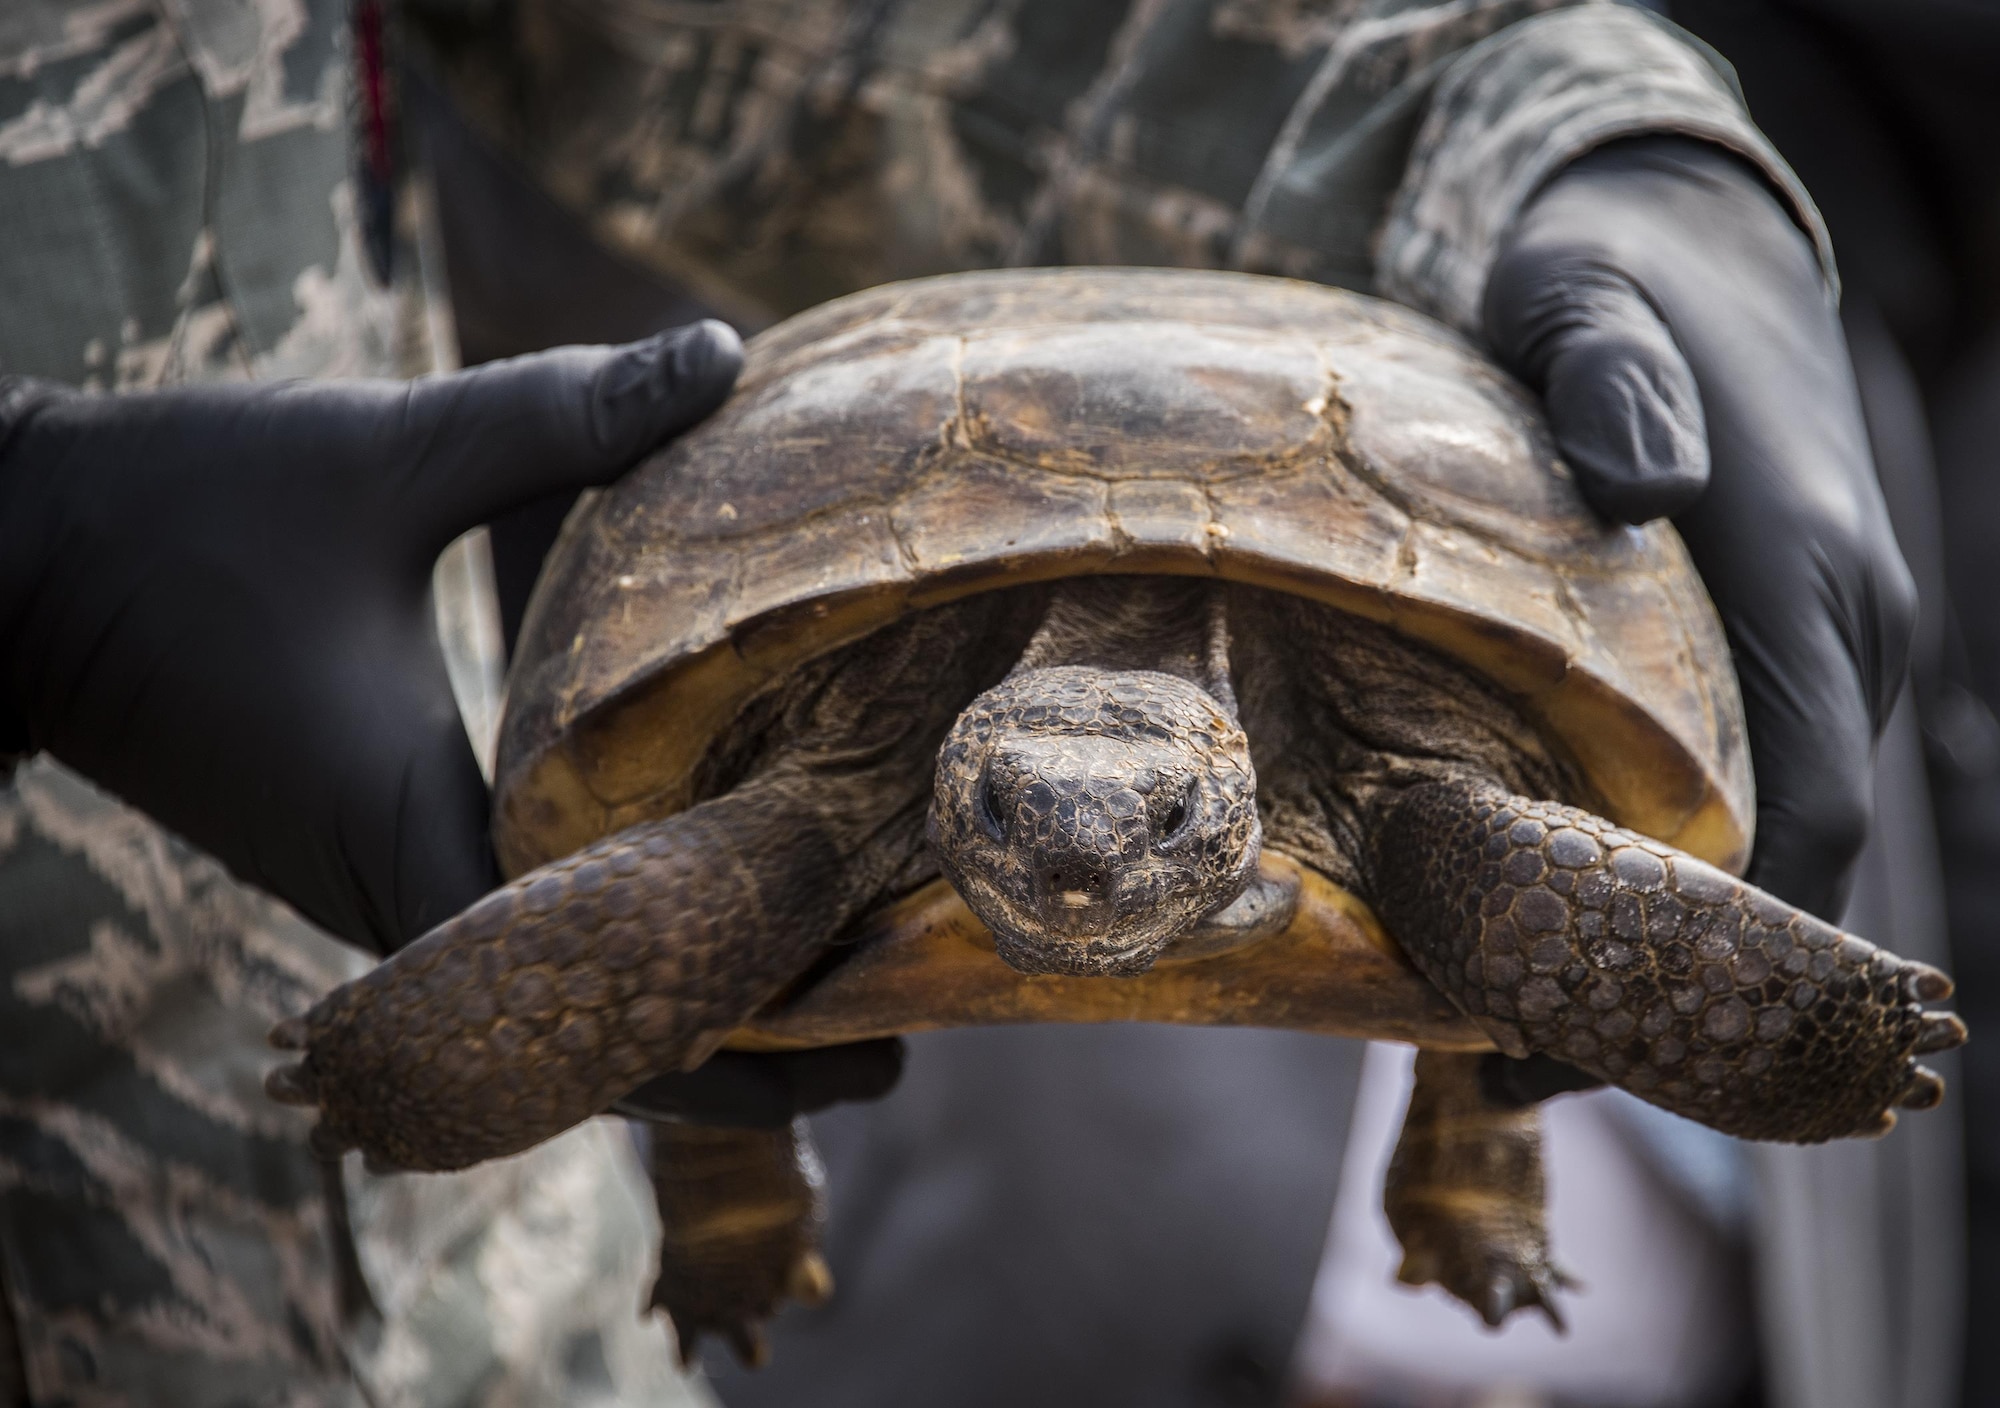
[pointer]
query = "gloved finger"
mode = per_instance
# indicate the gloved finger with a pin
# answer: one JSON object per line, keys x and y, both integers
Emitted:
{"x": 1518, "y": 1084}
{"x": 1819, "y": 626}
{"x": 737, "y": 1089}
{"x": 863, "y": 1070}
{"x": 444, "y": 862}
{"x": 1620, "y": 397}
{"x": 399, "y": 839}
{"x": 24, "y": 396}
{"x": 508, "y": 433}
{"x": 1791, "y": 536}
{"x": 752, "y": 1090}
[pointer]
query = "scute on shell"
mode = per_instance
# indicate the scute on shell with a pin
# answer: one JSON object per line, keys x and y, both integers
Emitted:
{"x": 926, "y": 440}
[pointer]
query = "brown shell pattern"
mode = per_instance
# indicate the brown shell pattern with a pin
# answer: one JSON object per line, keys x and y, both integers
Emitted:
{"x": 926, "y": 440}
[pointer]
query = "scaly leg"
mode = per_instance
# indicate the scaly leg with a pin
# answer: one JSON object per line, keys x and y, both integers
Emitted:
{"x": 1465, "y": 1193}
{"x": 1562, "y": 933}
{"x": 560, "y": 992}
{"x": 740, "y": 1211}
{"x": 556, "y": 994}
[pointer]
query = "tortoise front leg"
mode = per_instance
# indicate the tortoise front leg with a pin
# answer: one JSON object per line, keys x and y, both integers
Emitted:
{"x": 740, "y": 1216}
{"x": 1466, "y": 1196}
{"x": 1559, "y": 932}
{"x": 556, "y": 994}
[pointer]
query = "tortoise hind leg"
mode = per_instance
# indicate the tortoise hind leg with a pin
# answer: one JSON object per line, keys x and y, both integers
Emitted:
{"x": 537, "y": 1007}
{"x": 1466, "y": 1195}
{"x": 1561, "y": 933}
{"x": 740, "y": 1215}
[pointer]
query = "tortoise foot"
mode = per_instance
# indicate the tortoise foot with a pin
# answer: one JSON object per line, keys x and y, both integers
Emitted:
{"x": 1495, "y": 1279}
{"x": 557, "y": 993}
{"x": 1564, "y": 934}
{"x": 740, "y": 1213}
{"x": 738, "y": 1314}
{"x": 1465, "y": 1195}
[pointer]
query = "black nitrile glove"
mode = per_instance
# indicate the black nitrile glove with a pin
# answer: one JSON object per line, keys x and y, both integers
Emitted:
{"x": 215, "y": 601}
{"x": 754, "y": 1091}
{"x": 1676, "y": 323}
{"x": 1674, "y": 318}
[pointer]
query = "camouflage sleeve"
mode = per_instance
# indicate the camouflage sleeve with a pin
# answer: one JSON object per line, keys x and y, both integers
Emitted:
{"x": 18, "y": 395}
{"x": 1513, "y": 109}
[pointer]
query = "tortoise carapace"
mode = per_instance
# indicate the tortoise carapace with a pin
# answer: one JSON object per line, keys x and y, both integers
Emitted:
{"x": 1099, "y": 644}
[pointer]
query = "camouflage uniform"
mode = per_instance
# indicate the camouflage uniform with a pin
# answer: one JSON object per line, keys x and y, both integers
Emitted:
{"x": 770, "y": 154}
{"x": 177, "y": 202}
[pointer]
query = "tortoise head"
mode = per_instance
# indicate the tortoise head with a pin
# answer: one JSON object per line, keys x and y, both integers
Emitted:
{"x": 1089, "y": 816}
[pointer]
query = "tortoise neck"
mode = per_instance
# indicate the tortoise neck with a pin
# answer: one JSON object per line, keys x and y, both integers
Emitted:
{"x": 1170, "y": 625}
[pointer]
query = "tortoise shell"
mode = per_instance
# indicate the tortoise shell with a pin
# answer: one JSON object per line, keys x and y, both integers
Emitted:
{"x": 926, "y": 440}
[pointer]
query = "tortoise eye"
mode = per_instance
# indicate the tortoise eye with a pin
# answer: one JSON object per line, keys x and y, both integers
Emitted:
{"x": 989, "y": 811}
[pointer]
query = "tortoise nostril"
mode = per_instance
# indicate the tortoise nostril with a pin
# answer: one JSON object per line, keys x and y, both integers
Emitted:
{"x": 1077, "y": 886}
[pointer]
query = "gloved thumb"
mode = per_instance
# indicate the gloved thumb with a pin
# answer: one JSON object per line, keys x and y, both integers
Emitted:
{"x": 508, "y": 433}
{"x": 1620, "y": 397}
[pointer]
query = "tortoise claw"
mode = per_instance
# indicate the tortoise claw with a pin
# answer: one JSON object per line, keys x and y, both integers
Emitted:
{"x": 1924, "y": 983}
{"x": 1545, "y": 1302}
{"x": 1940, "y": 1031}
{"x": 1419, "y": 1268}
{"x": 752, "y": 1345}
{"x": 1511, "y": 1284}
{"x": 1878, "y": 1126}
{"x": 1925, "y": 1090}
{"x": 291, "y": 1085}
{"x": 1515, "y": 1288}
{"x": 746, "y": 1339}
{"x": 292, "y": 1034}
{"x": 811, "y": 1280}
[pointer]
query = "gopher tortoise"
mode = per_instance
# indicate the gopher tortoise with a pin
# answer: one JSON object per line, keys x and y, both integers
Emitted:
{"x": 1089, "y": 645}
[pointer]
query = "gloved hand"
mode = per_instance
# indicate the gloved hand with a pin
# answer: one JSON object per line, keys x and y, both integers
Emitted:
{"x": 753, "y": 1091}
{"x": 1674, "y": 318}
{"x": 215, "y": 602}
{"x": 1675, "y": 321}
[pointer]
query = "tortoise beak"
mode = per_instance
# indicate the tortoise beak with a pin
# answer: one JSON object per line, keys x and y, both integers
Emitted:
{"x": 1077, "y": 896}
{"x": 1078, "y": 908}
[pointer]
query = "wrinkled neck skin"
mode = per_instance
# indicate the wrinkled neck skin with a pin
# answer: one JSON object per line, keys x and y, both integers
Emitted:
{"x": 1100, "y": 800}
{"x": 1147, "y": 625}
{"x": 1345, "y": 715}
{"x": 1105, "y": 804}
